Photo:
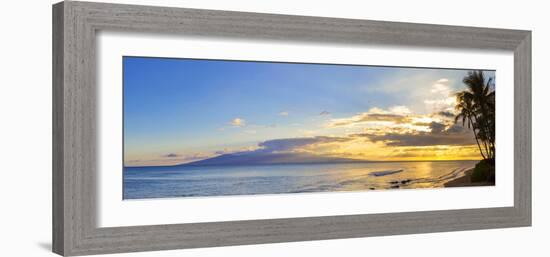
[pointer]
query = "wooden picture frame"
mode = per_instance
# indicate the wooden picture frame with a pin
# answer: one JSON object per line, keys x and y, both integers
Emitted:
{"x": 75, "y": 25}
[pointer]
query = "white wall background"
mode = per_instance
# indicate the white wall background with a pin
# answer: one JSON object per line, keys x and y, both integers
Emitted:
{"x": 25, "y": 129}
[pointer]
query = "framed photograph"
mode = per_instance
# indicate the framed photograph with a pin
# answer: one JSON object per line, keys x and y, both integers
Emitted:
{"x": 183, "y": 128}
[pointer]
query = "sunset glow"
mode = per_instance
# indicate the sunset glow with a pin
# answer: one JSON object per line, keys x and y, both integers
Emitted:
{"x": 179, "y": 111}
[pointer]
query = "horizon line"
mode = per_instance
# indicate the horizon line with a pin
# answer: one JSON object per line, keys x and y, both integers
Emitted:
{"x": 298, "y": 163}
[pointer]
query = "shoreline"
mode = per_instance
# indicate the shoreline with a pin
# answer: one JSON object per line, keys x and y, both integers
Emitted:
{"x": 465, "y": 181}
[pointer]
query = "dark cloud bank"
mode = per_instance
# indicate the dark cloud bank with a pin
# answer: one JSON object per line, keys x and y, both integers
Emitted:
{"x": 439, "y": 135}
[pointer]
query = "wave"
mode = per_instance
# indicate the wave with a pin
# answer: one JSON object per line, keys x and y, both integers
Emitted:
{"x": 384, "y": 172}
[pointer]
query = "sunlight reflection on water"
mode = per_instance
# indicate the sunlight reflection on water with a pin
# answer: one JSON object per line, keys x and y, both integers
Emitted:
{"x": 159, "y": 182}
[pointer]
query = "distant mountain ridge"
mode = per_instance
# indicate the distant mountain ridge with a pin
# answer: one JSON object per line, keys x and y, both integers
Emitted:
{"x": 255, "y": 158}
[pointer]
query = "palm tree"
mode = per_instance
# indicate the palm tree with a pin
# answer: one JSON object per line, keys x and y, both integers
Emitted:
{"x": 476, "y": 106}
{"x": 466, "y": 113}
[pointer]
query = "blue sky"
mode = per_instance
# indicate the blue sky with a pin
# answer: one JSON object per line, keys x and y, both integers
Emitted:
{"x": 179, "y": 110}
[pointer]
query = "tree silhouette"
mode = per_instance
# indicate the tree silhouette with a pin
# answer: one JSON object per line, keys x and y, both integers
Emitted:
{"x": 476, "y": 109}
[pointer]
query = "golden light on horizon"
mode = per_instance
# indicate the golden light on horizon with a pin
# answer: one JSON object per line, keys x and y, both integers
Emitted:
{"x": 378, "y": 135}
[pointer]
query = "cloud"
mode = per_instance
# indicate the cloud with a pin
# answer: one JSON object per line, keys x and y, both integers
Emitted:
{"x": 442, "y": 98}
{"x": 290, "y": 144}
{"x": 446, "y": 114}
{"x": 283, "y": 113}
{"x": 236, "y": 150}
{"x": 441, "y": 104}
{"x": 187, "y": 157}
{"x": 324, "y": 113}
{"x": 439, "y": 135}
{"x": 238, "y": 122}
{"x": 400, "y": 109}
{"x": 422, "y": 139}
{"x": 457, "y": 152}
{"x": 440, "y": 88}
{"x": 456, "y": 129}
{"x": 436, "y": 127}
{"x": 195, "y": 157}
{"x": 366, "y": 117}
{"x": 167, "y": 159}
{"x": 396, "y": 114}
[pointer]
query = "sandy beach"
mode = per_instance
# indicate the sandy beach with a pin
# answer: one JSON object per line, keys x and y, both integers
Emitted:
{"x": 465, "y": 181}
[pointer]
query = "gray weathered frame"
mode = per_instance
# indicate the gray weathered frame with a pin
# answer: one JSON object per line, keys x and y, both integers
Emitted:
{"x": 75, "y": 25}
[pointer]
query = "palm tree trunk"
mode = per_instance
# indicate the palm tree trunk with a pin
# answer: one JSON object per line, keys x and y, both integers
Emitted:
{"x": 477, "y": 140}
{"x": 488, "y": 132}
{"x": 486, "y": 149}
{"x": 488, "y": 144}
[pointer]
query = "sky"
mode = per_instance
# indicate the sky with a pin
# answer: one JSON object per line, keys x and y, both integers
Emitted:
{"x": 184, "y": 110}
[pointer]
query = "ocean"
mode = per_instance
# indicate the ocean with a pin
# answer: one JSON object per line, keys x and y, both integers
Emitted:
{"x": 195, "y": 181}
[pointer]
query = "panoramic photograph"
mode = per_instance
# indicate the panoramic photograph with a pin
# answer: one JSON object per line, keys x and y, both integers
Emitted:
{"x": 203, "y": 128}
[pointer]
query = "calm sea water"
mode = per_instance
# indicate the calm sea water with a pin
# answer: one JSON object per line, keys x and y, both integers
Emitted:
{"x": 161, "y": 182}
